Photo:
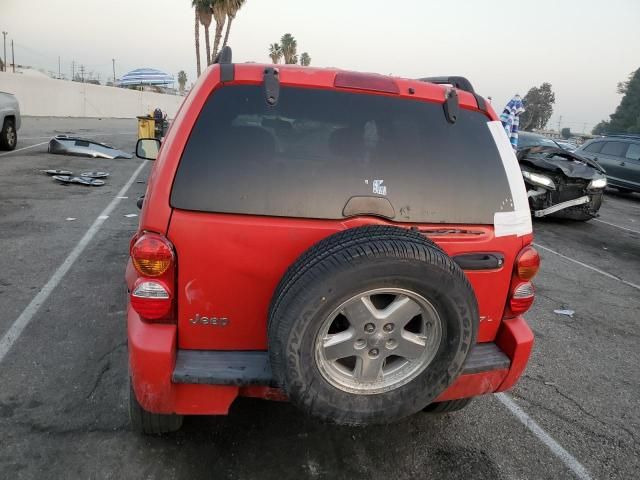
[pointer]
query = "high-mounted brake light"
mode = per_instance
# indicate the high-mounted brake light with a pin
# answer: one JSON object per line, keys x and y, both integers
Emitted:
{"x": 366, "y": 81}
{"x": 152, "y": 255}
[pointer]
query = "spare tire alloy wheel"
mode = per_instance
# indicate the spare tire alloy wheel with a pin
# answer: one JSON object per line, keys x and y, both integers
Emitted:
{"x": 378, "y": 340}
{"x": 370, "y": 325}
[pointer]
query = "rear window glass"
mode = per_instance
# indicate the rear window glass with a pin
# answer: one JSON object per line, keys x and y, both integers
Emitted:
{"x": 316, "y": 149}
{"x": 594, "y": 147}
{"x": 528, "y": 141}
{"x": 634, "y": 151}
{"x": 616, "y": 149}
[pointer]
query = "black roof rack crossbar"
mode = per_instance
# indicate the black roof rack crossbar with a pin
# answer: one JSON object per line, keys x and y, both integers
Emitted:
{"x": 461, "y": 83}
{"x": 224, "y": 58}
{"x": 224, "y": 55}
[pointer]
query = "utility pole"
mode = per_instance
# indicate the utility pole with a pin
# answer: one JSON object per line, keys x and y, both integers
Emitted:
{"x": 4, "y": 59}
{"x": 584, "y": 127}
{"x": 113, "y": 61}
{"x": 73, "y": 70}
{"x": 59, "y": 73}
{"x": 559, "y": 123}
{"x": 82, "y": 73}
{"x": 13, "y": 59}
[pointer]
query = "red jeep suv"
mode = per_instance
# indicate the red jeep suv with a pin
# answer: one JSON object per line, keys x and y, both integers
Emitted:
{"x": 356, "y": 244}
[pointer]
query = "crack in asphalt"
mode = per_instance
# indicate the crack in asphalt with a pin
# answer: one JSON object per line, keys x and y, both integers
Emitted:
{"x": 111, "y": 351}
{"x": 577, "y": 404}
{"x": 103, "y": 370}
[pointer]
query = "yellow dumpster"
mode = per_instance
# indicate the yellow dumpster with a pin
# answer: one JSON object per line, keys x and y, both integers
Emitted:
{"x": 146, "y": 127}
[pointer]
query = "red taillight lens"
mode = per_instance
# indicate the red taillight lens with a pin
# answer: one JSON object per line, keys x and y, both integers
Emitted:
{"x": 521, "y": 292}
{"x": 151, "y": 299}
{"x": 153, "y": 258}
{"x": 152, "y": 255}
{"x": 522, "y": 298}
{"x": 527, "y": 263}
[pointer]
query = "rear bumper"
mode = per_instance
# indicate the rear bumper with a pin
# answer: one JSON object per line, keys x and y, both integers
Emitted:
{"x": 167, "y": 380}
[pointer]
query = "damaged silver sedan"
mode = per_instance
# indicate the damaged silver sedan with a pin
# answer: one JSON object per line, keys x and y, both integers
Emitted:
{"x": 82, "y": 147}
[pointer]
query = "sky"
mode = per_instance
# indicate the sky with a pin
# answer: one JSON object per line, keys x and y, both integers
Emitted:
{"x": 583, "y": 48}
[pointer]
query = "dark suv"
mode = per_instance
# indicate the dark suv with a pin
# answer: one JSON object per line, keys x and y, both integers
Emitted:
{"x": 620, "y": 157}
{"x": 357, "y": 244}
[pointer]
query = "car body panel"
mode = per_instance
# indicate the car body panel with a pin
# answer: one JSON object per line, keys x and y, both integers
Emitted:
{"x": 152, "y": 356}
{"x": 9, "y": 107}
{"x": 234, "y": 264}
{"x": 82, "y": 147}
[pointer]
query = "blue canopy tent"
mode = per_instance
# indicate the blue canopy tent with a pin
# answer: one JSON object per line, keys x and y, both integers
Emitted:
{"x": 145, "y": 76}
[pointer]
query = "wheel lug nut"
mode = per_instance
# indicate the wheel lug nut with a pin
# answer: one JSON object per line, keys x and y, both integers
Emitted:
{"x": 391, "y": 344}
{"x": 360, "y": 343}
{"x": 369, "y": 327}
{"x": 373, "y": 352}
{"x": 388, "y": 327}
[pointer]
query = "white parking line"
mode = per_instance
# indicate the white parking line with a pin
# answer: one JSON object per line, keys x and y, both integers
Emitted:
{"x": 617, "y": 226}
{"x": 601, "y": 272}
{"x": 23, "y": 148}
{"x": 569, "y": 460}
{"x": 30, "y": 310}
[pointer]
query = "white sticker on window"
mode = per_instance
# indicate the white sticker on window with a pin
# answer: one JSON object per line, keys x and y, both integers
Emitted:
{"x": 378, "y": 188}
{"x": 518, "y": 221}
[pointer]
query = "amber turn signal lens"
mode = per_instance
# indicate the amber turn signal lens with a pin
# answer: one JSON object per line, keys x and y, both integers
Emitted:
{"x": 151, "y": 255}
{"x": 527, "y": 263}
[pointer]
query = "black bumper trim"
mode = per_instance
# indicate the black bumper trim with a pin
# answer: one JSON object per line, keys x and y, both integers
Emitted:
{"x": 216, "y": 367}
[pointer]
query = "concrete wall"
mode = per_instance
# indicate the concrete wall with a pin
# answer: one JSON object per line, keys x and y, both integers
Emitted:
{"x": 46, "y": 97}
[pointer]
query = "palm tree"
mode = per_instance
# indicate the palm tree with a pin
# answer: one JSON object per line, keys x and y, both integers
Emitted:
{"x": 305, "y": 59}
{"x": 219, "y": 8}
{"x": 182, "y": 80}
{"x": 289, "y": 47}
{"x": 203, "y": 9}
{"x": 232, "y": 9}
{"x": 275, "y": 52}
{"x": 194, "y": 4}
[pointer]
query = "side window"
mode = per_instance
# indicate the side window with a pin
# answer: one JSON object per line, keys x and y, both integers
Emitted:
{"x": 615, "y": 149}
{"x": 634, "y": 151}
{"x": 594, "y": 147}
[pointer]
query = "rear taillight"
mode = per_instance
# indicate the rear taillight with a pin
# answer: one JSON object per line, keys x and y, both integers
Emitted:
{"x": 521, "y": 292}
{"x": 153, "y": 257}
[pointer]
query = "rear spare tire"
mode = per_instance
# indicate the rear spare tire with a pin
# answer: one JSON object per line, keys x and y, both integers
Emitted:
{"x": 370, "y": 325}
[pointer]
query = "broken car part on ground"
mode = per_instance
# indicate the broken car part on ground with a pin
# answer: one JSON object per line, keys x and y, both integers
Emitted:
{"x": 82, "y": 147}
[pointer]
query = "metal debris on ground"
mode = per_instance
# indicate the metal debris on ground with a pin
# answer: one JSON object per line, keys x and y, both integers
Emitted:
{"x": 130, "y": 215}
{"x": 94, "y": 174}
{"x": 568, "y": 313}
{"x": 57, "y": 172}
{"x": 70, "y": 219}
{"x": 83, "y": 147}
{"x": 90, "y": 182}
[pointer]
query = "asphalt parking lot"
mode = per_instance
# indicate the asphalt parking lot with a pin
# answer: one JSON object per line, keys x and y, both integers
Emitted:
{"x": 63, "y": 388}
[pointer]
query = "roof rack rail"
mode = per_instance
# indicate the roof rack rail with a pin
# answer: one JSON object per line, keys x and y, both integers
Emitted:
{"x": 226, "y": 65}
{"x": 623, "y": 135}
{"x": 461, "y": 83}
